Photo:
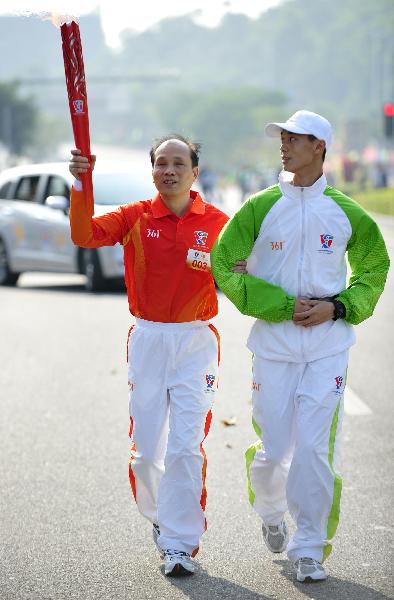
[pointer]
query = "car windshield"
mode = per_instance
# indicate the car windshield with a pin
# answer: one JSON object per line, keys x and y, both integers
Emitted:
{"x": 121, "y": 188}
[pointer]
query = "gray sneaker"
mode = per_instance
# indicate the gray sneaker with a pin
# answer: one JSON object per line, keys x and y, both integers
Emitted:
{"x": 276, "y": 537}
{"x": 309, "y": 570}
{"x": 177, "y": 563}
{"x": 155, "y": 535}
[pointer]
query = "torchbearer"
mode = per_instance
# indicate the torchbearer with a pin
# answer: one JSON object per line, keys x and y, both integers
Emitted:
{"x": 173, "y": 350}
{"x": 290, "y": 242}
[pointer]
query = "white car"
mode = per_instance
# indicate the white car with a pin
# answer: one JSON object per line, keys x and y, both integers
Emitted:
{"x": 34, "y": 222}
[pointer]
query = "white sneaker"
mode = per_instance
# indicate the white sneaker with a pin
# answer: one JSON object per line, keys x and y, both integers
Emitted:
{"x": 309, "y": 569}
{"x": 276, "y": 537}
{"x": 177, "y": 563}
{"x": 155, "y": 535}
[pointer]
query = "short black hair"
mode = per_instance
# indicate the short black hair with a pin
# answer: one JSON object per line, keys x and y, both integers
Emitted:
{"x": 312, "y": 138}
{"x": 194, "y": 147}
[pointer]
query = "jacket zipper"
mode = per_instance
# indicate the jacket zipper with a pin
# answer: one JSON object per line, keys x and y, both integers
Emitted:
{"x": 301, "y": 261}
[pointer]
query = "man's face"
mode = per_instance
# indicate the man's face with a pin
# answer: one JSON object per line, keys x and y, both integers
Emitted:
{"x": 298, "y": 151}
{"x": 173, "y": 174}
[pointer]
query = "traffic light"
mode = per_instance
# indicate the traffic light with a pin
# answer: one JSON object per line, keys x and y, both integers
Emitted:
{"x": 388, "y": 116}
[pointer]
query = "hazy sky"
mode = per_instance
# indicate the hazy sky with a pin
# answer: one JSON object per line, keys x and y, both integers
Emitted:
{"x": 120, "y": 14}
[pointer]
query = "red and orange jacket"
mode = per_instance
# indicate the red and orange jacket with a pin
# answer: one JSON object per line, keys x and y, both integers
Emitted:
{"x": 166, "y": 258}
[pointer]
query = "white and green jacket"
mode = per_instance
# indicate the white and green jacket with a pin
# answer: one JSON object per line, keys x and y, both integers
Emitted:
{"x": 295, "y": 241}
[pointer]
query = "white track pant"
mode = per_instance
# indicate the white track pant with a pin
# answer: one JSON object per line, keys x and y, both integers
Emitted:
{"x": 297, "y": 414}
{"x": 173, "y": 376}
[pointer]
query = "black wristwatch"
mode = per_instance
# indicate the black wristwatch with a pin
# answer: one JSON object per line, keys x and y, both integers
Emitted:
{"x": 339, "y": 309}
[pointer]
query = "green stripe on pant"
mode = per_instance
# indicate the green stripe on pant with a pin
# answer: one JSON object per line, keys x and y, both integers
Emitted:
{"x": 333, "y": 517}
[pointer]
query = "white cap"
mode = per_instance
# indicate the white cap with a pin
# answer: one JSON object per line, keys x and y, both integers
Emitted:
{"x": 305, "y": 122}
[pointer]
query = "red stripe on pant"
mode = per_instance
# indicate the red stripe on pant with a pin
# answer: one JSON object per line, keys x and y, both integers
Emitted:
{"x": 208, "y": 420}
{"x": 203, "y": 499}
{"x": 132, "y": 449}
{"x": 127, "y": 344}
{"x": 131, "y": 474}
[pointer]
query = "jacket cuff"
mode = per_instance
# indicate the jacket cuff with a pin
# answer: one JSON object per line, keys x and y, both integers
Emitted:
{"x": 347, "y": 306}
{"x": 290, "y": 308}
{"x": 77, "y": 185}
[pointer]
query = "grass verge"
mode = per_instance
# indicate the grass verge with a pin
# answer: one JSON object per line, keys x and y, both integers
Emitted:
{"x": 379, "y": 200}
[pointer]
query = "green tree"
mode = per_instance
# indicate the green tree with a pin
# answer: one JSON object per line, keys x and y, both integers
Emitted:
{"x": 229, "y": 121}
{"x": 18, "y": 117}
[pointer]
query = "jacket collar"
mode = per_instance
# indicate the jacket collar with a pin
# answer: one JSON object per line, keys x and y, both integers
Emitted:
{"x": 159, "y": 209}
{"x": 296, "y": 192}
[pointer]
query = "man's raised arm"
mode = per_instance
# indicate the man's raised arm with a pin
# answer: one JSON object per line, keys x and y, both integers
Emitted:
{"x": 88, "y": 231}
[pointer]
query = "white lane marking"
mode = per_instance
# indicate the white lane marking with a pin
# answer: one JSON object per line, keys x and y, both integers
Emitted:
{"x": 383, "y": 528}
{"x": 354, "y": 405}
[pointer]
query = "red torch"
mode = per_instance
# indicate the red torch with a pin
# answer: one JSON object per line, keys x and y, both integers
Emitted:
{"x": 78, "y": 100}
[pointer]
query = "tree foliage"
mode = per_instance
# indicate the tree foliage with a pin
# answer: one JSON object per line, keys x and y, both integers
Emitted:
{"x": 228, "y": 121}
{"x": 17, "y": 119}
{"x": 331, "y": 56}
{"x": 334, "y": 57}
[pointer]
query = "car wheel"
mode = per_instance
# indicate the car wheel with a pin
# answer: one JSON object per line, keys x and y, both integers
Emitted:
{"x": 95, "y": 282}
{"x": 7, "y": 277}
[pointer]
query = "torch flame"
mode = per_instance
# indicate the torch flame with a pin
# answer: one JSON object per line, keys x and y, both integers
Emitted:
{"x": 60, "y": 19}
{"x": 57, "y": 19}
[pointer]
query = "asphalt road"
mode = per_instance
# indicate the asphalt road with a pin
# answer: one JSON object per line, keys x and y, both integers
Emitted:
{"x": 68, "y": 526}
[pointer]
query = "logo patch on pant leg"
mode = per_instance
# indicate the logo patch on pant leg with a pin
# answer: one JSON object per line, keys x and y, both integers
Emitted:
{"x": 338, "y": 383}
{"x": 210, "y": 380}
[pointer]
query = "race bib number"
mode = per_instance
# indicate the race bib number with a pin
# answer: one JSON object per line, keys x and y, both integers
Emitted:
{"x": 199, "y": 260}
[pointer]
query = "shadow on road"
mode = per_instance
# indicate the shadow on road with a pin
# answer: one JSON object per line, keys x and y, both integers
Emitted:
{"x": 203, "y": 586}
{"x": 332, "y": 588}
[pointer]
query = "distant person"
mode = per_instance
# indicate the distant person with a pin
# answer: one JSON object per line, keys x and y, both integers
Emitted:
{"x": 363, "y": 177}
{"x": 207, "y": 179}
{"x": 288, "y": 244}
{"x": 349, "y": 167}
{"x": 381, "y": 175}
{"x": 172, "y": 348}
{"x": 244, "y": 178}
